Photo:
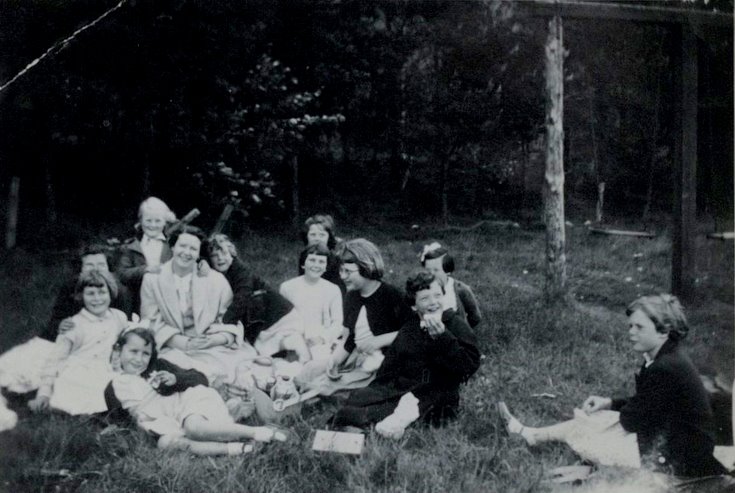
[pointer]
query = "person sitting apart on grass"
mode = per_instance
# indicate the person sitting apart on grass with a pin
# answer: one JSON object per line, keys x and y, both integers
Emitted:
{"x": 666, "y": 426}
{"x": 186, "y": 310}
{"x": 319, "y": 229}
{"x": 458, "y": 296}
{"x": 148, "y": 251}
{"x": 373, "y": 313}
{"x": 174, "y": 404}
{"x": 318, "y": 301}
{"x": 432, "y": 355}
{"x": 91, "y": 257}
{"x": 269, "y": 320}
{"x": 75, "y": 375}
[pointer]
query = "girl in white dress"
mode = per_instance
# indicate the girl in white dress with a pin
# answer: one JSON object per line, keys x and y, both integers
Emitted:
{"x": 175, "y": 404}
{"x": 318, "y": 301}
{"x": 75, "y": 375}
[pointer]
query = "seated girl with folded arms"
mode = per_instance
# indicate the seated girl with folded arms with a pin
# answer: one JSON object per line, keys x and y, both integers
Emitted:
{"x": 174, "y": 404}
{"x": 667, "y": 425}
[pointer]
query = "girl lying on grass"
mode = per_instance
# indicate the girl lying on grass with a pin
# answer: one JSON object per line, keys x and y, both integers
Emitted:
{"x": 667, "y": 425}
{"x": 74, "y": 377}
{"x": 457, "y": 295}
{"x": 175, "y": 404}
{"x": 432, "y": 355}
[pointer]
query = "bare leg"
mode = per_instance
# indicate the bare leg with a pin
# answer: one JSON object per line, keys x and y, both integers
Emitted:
{"x": 200, "y": 429}
{"x": 297, "y": 343}
{"x": 557, "y": 432}
{"x": 203, "y": 448}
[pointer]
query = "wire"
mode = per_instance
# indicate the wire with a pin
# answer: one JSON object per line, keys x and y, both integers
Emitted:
{"x": 61, "y": 45}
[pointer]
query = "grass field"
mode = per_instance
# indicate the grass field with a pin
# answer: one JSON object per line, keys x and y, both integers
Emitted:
{"x": 569, "y": 351}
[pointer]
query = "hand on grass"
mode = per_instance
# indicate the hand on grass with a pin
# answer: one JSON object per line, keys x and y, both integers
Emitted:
{"x": 39, "y": 404}
{"x": 596, "y": 403}
{"x": 66, "y": 325}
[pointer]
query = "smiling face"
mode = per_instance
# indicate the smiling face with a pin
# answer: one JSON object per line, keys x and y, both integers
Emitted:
{"x": 135, "y": 355}
{"x": 95, "y": 261}
{"x": 643, "y": 334}
{"x": 317, "y": 235}
{"x": 429, "y": 301}
{"x": 221, "y": 259}
{"x": 315, "y": 266}
{"x": 152, "y": 223}
{"x": 186, "y": 251}
{"x": 434, "y": 265}
{"x": 96, "y": 299}
{"x": 350, "y": 275}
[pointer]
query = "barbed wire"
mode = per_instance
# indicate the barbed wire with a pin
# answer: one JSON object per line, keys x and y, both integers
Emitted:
{"x": 60, "y": 45}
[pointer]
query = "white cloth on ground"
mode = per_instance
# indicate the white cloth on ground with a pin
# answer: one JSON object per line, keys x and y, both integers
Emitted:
{"x": 22, "y": 365}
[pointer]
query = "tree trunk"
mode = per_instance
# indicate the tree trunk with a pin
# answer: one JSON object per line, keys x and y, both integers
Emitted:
{"x": 11, "y": 225}
{"x": 445, "y": 191}
{"x": 295, "y": 207}
{"x": 50, "y": 194}
{"x": 554, "y": 178}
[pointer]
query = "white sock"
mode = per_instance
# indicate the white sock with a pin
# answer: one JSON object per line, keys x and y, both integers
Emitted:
{"x": 239, "y": 448}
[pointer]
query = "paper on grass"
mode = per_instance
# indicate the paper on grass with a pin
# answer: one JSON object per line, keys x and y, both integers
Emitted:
{"x": 338, "y": 441}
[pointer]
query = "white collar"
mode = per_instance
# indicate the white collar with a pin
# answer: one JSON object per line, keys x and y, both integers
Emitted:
{"x": 94, "y": 318}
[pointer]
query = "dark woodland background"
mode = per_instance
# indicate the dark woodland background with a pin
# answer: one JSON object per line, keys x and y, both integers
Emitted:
{"x": 380, "y": 105}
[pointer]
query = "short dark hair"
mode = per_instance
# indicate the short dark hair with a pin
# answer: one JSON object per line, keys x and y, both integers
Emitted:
{"x": 365, "y": 255}
{"x": 447, "y": 259}
{"x": 324, "y": 220}
{"x": 189, "y": 230}
{"x": 94, "y": 249}
{"x": 317, "y": 249}
{"x": 147, "y": 336}
{"x": 418, "y": 282}
{"x": 95, "y": 279}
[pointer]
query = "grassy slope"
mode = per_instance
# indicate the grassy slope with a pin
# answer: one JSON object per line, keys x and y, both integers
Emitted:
{"x": 530, "y": 349}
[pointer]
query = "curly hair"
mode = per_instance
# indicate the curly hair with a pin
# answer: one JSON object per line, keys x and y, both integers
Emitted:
{"x": 419, "y": 281}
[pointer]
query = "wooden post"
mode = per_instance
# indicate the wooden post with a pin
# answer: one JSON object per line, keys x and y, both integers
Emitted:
{"x": 295, "y": 191}
{"x": 12, "y": 219}
{"x": 600, "y": 202}
{"x": 685, "y": 174}
{"x": 554, "y": 178}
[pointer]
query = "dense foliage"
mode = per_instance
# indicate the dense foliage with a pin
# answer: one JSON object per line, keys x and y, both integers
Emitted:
{"x": 384, "y": 102}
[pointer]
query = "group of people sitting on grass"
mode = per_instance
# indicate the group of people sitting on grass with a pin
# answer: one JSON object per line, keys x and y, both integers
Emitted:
{"x": 177, "y": 335}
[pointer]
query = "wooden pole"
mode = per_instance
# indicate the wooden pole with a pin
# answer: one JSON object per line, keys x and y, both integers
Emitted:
{"x": 685, "y": 175}
{"x": 12, "y": 219}
{"x": 295, "y": 191}
{"x": 554, "y": 178}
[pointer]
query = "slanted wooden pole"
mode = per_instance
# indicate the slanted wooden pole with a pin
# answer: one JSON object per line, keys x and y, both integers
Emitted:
{"x": 685, "y": 174}
{"x": 553, "y": 190}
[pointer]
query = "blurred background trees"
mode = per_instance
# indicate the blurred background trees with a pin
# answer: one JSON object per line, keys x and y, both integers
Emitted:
{"x": 430, "y": 108}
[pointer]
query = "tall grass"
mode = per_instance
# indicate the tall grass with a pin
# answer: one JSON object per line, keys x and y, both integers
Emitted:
{"x": 565, "y": 352}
